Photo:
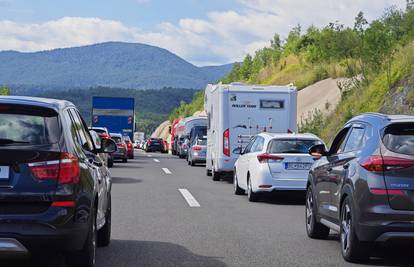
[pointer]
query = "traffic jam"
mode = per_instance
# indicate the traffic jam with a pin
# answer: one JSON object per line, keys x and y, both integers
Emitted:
{"x": 56, "y": 170}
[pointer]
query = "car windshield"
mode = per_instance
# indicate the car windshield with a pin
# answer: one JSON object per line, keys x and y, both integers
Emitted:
{"x": 33, "y": 129}
{"x": 294, "y": 146}
{"x": 399, "y": 138}
{"x": 202, "y": 142}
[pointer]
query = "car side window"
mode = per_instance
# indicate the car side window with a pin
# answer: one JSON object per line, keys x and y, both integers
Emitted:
{"x": 339, "y": 142}
{"x": 249, "y": 146}
{"x": 258, "y": 144}
{"x": 355, "y": 140}
{"x": 84, "y": 137}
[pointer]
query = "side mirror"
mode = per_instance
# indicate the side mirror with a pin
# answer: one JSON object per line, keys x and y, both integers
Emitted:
{"x": 238, "y": 151}
{"x": 96, "y": 140}
{"x": 108, "y": 146}
{"x": 318, "y": 150}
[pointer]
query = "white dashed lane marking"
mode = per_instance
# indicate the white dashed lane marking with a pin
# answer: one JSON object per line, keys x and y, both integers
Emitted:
{"x": 156, "y": 160}
{"x": 192, "y": 202}
{"x": 167, "y": 171}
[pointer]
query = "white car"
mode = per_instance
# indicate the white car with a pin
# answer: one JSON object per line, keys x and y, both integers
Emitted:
{"x": 273, "y": 162}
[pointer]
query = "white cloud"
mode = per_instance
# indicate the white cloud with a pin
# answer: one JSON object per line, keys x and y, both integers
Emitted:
{"x": 220, "y": 38}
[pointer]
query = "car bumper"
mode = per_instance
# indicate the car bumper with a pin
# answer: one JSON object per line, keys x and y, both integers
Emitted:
{"x": 225, "y": 164}
{"x": 265, "y": 182}
{"x": 119, "y": 155}
{"x": 383, "y": 224}
{"x": 37, "y": 237}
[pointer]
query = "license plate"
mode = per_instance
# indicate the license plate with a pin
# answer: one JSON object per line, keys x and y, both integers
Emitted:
{"x": 297, "y": 166}
{"x": 4, "y": 172}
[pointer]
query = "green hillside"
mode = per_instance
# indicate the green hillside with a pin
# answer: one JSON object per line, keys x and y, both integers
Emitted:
{"x": 378, "y": 56}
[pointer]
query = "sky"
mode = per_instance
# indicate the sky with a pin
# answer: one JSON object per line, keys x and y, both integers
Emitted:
{"x": 204, "y": 32}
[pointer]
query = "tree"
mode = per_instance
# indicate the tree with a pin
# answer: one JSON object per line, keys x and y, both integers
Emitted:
{"x": 246, "y": 67}
{"x": 4, "y": 90}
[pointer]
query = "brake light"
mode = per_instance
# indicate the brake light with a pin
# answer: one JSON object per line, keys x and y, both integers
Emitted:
{"x": 226, "y": 143}
{"x": 196, "y": 148}
{"x": 66, "y": 204}
{"x": 384, "y": 192}
{"x": 129, "y": 145}
{"x": 149, "y": 142}
{"x": 382, "y": 164}
{"x": 65, "y": 171}
{"x": 105, "y": 136}
{"x": 265, "y": 157}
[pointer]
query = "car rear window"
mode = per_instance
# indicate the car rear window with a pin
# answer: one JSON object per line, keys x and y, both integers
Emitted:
{"x": 399, "y": 138}
{"x": 117, "y": 139}
{"x": 20, "y": 126}
{"x": 294, "y": 146}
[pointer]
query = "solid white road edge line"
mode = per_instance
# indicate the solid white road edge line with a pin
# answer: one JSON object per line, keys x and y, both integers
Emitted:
{"x": 192, "y": 202}
{"x": 156, "y": 160}
{"x": 167, "y": 171}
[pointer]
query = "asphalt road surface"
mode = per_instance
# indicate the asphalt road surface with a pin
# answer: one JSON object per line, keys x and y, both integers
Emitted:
{"x": 166, "y": 213}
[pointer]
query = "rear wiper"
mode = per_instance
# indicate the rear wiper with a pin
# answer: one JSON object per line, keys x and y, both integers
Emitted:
{"x": 291, "y": 151}
{"x": 4, "y": 141}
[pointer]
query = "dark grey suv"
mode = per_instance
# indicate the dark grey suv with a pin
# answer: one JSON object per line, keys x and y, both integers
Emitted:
{"x": 363, "y": 187}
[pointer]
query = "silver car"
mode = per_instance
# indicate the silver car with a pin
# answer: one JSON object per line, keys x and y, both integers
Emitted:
{"x": 198, "y": 151}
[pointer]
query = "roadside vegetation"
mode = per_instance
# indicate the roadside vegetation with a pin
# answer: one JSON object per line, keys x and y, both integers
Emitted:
{"x": 376, "y": 55}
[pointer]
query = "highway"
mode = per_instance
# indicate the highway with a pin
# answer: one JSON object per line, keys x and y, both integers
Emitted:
{"x": 166, "y": 213}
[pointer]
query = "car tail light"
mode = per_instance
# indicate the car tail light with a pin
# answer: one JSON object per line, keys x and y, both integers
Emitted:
{"x": 226, "y": 143}
{"x": 382, "y": 191}
{"x": 67, "y": 204}
{"x": 383, "y": 164}
{"x": 265, "y": 157}
{"x": 129, "y": 145}
{"x": 196, "y": 148}
{"x": 105, "y": 136}
{"x": 65, "y": 171}
{"x": 149, "y": 142}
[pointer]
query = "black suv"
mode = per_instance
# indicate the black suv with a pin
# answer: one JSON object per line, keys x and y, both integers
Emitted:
{"x": 363, "y": 187}
{"x": 55, "y": 192}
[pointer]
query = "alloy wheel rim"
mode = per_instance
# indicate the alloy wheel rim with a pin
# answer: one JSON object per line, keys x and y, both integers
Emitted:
{"x": 94, "y": 242}
{"x": 309, "y": 211}
{"x": 249, "y": 189}
{"x": 346, "y": 223}
{"x": 235, "y": 181}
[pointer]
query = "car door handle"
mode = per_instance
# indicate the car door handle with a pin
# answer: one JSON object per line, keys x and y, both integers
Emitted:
{"x": 346, "y": 166}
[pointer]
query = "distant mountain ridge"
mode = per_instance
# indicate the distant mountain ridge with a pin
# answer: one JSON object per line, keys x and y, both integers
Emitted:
{"x": 112, "y": 64}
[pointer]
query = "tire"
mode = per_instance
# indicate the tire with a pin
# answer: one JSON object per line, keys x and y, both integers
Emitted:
{"x": 125, "y": 160}
{"x": 252, "y": 196}
{"x": 314, "y": 229}
{"x": 208, "y": 172}
{"x": 216, "y": 176}
{"x": 237, "y": 190}
{"x": 192, "y": 163}
{"x": 87, "y": 256}
{"x": 104, "y": 234}
{"x": 131, "y": 157}
{"x": 352, "y": 249}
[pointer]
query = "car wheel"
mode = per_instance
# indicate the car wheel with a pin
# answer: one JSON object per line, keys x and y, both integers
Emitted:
{"x": 192, "y": 163}
{"x": 125, "y": 160}
{"x": 237, "y": 190}
{"x": 352, "y": 249}
{"x": 104, "y": 234}
{"x": 252, "y": 196}
{"x": 208, "y": 172}
{"x": 87, "y": 256}
{"x": 314, "y": 229}
{"x": 216, "y": 175}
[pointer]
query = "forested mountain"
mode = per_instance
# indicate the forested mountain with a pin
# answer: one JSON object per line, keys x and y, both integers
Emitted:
{"x": 113, "y": 64}
{"x": 377, "y": 55}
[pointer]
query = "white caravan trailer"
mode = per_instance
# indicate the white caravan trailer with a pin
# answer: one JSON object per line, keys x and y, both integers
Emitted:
{"x": 184, "y": 129}
{"x": 236, "y": 112}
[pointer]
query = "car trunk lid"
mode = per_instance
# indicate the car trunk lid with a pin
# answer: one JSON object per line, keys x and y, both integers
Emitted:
{"x": 398, "y": 165}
